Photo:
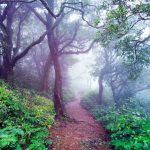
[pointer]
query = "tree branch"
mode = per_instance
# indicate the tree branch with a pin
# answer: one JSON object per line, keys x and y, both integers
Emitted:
{"x": 22, "y": 18}
{"x": 24, "y": 52}
{"x": 79, "y": 52}
{"x": 37, "y": 14}
{"x": 40, "y": 39}
{"x": 71, "y": 40}
{"x": 22, "y": 1}
{"x": 48, "y": 9}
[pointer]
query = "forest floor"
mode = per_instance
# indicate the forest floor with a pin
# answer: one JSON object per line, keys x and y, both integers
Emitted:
{"x": 80, "y": 132}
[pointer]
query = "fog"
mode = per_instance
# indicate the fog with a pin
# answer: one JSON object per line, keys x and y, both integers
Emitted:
{"x": 71, "y": 70}
{"x": 80, "y": 73}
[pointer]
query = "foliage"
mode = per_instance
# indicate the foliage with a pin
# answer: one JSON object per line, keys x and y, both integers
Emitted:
{"x": 68, "y": 95}
{"x": 24, "y": 119}
{"x": 135, "y": 56}
{"x": 128, "y": 125}
{"x": 126, "y": 18}
{"x": 117, "y": 20}
{"x": 142, "y": 8}
{"x": 89, "y": 100}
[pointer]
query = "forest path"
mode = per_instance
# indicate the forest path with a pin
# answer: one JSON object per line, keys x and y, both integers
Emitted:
{"x": 81, "y": 132}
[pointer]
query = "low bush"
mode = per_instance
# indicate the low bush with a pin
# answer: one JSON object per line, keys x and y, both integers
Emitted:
{"x": 128, "y": 125}
{"x": 24, "y": 119}
{"x": 89, "y": 100}
{"x": 68, "y": 95}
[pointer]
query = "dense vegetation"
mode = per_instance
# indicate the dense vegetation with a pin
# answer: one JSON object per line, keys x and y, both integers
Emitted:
{"x": 24, "y": 119}
{"x": 38, "y": 43}
{"x": 127, "y": 124}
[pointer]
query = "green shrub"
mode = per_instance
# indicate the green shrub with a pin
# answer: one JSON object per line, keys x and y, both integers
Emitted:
{"x": 24, "y": 119}
{"x": 89, "y": 101}
{"x": 68, "y": 95}
{"x": 128, "y": 125}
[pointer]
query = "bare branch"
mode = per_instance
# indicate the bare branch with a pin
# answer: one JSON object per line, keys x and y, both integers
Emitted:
{"x": 67, "y": 5}
{"x": 48, "y": 9}
{"x": 22, "y": 1}
{"x": 24, "y": 52}
{"x": 22, "y": 18}
{"x": 82, "y": 15}
{"x": 71, "y": 40}
{"x": 40, "y": 39}
{"x": 142, "y": 88}
{"x": 81, "y": 51}
{"x": 3, "y": 16}
{"x": 37, "y": 14}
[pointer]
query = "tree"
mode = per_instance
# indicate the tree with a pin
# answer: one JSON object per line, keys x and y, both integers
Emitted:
{"x": 11, "y": 53}
{"x": 123, "y": 26}
{"x": 51, "y": 21}
{"x": 58, "y": 46}
{"x": 111, "y": 72}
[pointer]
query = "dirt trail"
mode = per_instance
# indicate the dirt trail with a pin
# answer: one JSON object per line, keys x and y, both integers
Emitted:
{"x": 80, "y": 133}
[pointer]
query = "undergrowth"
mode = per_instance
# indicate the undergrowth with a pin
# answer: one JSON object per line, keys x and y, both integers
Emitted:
{"x": 24, "y": 119}
{"x": 128, "y": 125}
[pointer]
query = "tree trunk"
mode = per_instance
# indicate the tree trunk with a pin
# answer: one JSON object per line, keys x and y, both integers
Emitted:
{"x": 7, "y": 67}
{"x": 57, "y": 95}
{"x": 58, "y": 98}
{"x": 45, "y": 76}
{"x": 1, "y": 72}
{"x": 1, "y": 66}
{"x": 10, "y": 75}
{"x": 7, "y": 45}
{"x": 114, "y": 94}
{"x": 100, "y": 81}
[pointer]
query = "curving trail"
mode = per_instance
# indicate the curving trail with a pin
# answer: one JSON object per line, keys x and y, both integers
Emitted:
{"x": 80, "y": 133}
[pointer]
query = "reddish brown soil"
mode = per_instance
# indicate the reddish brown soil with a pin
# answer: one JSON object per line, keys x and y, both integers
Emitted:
{"x": 81, "y": 132}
